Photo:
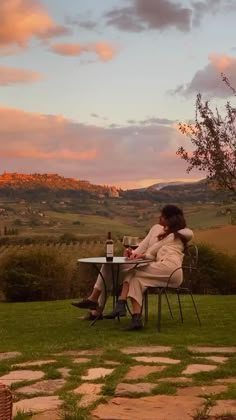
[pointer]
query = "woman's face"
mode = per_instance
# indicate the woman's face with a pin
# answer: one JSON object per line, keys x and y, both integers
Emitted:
{"x": 162, "y": 220}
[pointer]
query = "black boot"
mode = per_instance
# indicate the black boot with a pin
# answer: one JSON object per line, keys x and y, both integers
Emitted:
{"x": 119, "y": 310}
{"x": 136, "y": 323}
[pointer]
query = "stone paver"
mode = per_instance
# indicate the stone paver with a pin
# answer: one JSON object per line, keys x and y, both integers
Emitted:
{"x": 202, "y": 390}
{"x": 96, "y": 373}
{"x": 21, "y": 375}
{"x": 156, "y": 359}
{"x": 126, "y": 390}
{"x": 226, "y": 381}
{"x": 146, "y": 408}
{"x": 48, "y": 387}
{"x": 111, "y": 363}
{"x": 76, "y": 353}
{"x": 141, "y": 371}
{"x": 81, "y": 360}
{"x": 202, "y": 349}
{"x": 216, "y": 359}
{"x": 35, "y": 363}
{"x": 90, "y": 393}
{"x": 149, "y": 349}
{"x": 192, "y": 369}
{"x": 37, "y": 404}
{"x": 65, "y": 372}
{"x": 10, "y": 355}
{"x": 180, "y": 379}
{"x": 87, "y": 388}
{"x": 48, "y": 415}
{"x": 182, "y": 406}
{"x": 223, "y": 407}
{"x": 87, "y": 400}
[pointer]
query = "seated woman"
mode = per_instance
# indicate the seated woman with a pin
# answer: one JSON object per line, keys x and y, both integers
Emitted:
{"x": 167, "y": 255}
{"x": 154, "y": 238}
{"x": 95, "y": 302}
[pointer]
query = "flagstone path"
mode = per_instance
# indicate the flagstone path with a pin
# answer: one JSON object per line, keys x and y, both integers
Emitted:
{"x": 144, "y": 391}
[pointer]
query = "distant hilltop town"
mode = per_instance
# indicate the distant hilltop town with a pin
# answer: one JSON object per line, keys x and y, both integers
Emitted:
{"x": 18, "y": 181}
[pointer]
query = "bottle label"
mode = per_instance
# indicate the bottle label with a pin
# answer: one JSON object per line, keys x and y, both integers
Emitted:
{"x": 110, "y": 250}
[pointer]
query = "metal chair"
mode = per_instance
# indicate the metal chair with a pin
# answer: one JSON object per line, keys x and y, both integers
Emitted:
{"x": 188, "y": 267}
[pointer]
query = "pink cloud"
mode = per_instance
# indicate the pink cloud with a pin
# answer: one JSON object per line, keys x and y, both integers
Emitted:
{"x": 103, "y": 50}
{"x": 67, "y": 49}
{"x": 222, "y": 62}
{"x": 51, "y": 143}
{"x": 208, "y": 80}
{"x": 20, "y": 20}
{"x": 62, "y": 154}
{"x": 9, "y": 76}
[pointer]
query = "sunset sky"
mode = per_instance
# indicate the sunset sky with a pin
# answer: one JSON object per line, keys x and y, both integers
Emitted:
{"x": 94, "y": 89}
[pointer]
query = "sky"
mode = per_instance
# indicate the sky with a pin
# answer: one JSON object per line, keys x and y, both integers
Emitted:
{"x": 95, "y": 89}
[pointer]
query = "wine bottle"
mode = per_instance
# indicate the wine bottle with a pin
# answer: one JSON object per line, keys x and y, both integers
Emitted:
{"x": 109, "y": 248}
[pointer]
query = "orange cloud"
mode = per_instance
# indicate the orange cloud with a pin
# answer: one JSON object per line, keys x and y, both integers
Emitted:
{"x": 103, "y": 50}
{"x": 9, "y": 76}
{"x": 20, "y": 20}
{"x": 67, "y": 49}
{"x": 221, "y": 62}
{"x": 62, "y": 154}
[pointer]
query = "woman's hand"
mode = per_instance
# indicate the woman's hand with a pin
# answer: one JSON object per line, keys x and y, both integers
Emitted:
{"x": 127, "y": 252}
{"x": 137, "y": 256}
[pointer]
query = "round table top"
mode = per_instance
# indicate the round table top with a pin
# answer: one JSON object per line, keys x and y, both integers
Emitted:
{"x": 116, "y": 260}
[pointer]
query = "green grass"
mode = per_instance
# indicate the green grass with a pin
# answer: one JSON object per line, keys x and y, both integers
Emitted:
{"x": 40, "y": 330}
{"x": 54, "y": 326}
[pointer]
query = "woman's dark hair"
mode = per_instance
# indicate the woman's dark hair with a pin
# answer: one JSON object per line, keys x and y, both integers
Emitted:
{"x": 175, "y": 221}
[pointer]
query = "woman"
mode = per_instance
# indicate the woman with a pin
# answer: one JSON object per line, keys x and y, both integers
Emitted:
{"x": 166, "y": 255}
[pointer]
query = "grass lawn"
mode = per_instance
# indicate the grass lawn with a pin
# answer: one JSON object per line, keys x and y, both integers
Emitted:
{"x": 44, "y": 327}
{"x": 41, "y": 330}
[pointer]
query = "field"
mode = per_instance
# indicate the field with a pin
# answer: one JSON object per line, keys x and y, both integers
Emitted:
{"x": 222, "y": 238}
{"x": 210, "y": 222}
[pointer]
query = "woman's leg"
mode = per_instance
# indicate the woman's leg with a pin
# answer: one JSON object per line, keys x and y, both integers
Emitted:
{"x": 96, "y": 299}
{"x": 120, "y": 308}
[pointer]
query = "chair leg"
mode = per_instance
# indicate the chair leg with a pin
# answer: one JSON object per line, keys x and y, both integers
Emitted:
{"x": 196, "y": 311}
{"x": 180, "y": 307}
{"x": 168, "y": 303}
{"x": 159, "y": 312}
{"x": 145, "y": 304}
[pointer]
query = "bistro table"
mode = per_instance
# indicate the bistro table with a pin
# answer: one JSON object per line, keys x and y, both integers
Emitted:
{"x": 97, "y": 262}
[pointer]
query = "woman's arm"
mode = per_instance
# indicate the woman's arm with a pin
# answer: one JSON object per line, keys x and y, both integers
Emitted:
{"x": 186, "y": 233}
{"x": 145, "y": 244}
{"x": 153, "y": 250}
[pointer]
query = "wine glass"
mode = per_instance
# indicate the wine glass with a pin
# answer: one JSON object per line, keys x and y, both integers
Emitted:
{"x": 126, "y": 241}
{"x": 133, "y": 243}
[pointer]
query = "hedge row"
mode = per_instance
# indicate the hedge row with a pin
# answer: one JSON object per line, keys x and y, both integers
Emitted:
{"x": 43, "y": 273}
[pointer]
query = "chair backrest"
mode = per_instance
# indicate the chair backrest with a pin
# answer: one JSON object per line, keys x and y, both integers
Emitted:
{"x": 190, "y": 264}
{"x": 191, "y": 256}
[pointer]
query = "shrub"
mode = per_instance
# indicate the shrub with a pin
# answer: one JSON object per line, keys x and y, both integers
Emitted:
{"x": 68, "y": 237}
{"x": 37, "y": 273}
{"x": 216, "y": 272}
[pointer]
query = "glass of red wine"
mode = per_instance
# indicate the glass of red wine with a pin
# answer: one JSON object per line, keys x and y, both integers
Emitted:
{"x": 134, "y": 242}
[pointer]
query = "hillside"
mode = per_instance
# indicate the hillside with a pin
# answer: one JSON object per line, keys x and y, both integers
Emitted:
{"x": 52, "y": 186}
{"x": 15, "y": 184}
{"x": 198, "y": 192}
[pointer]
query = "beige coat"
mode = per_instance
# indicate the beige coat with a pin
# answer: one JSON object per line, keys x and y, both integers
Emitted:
{"x": 167, "y": 255}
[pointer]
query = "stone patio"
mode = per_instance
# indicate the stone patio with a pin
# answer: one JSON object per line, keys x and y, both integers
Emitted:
{"x": 132, "y": 397}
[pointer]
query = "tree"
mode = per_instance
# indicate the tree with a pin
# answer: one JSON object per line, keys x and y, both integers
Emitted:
{"x": 214, "y": 142}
